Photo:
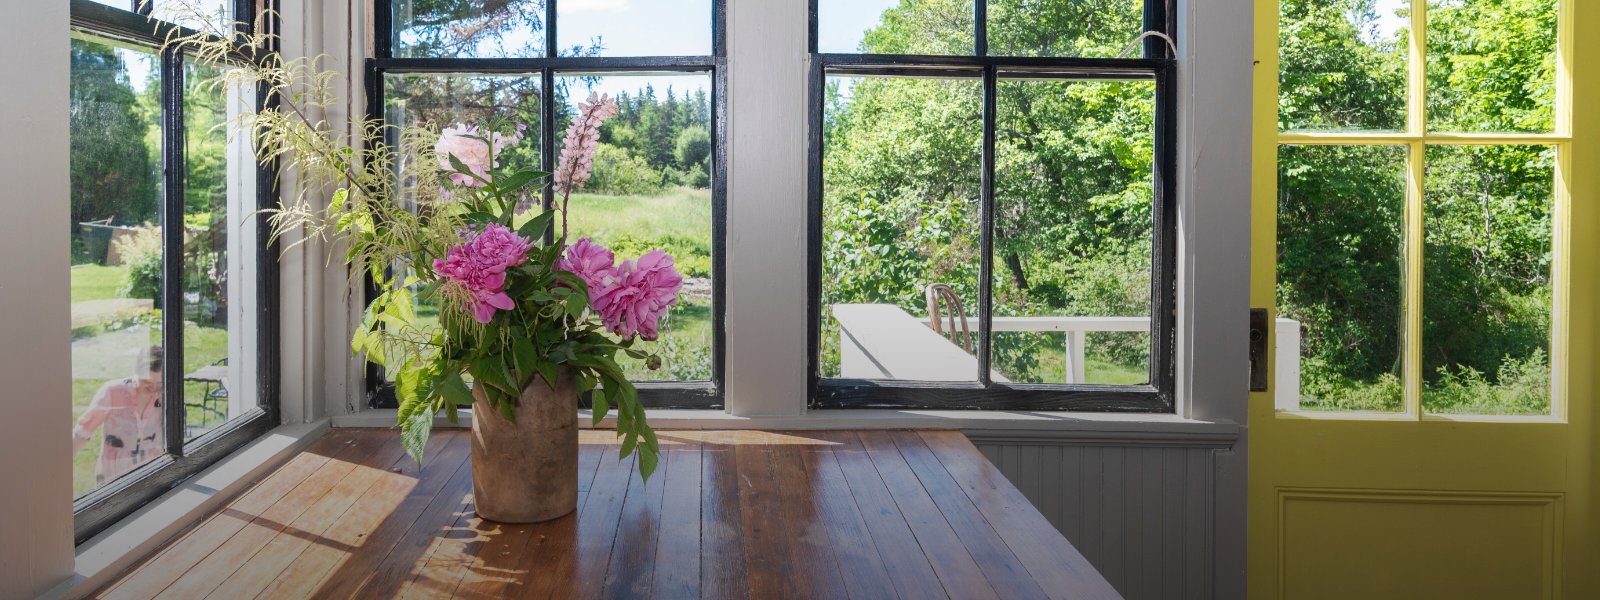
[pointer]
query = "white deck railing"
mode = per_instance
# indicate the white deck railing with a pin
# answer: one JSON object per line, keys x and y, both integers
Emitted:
{"x": 881, "y": 341}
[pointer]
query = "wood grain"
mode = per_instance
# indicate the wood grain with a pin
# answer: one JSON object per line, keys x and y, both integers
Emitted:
{"x": 728, "y": 514}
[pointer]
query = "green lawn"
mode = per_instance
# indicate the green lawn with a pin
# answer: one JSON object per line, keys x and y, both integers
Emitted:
{"x": 97, "y": 282}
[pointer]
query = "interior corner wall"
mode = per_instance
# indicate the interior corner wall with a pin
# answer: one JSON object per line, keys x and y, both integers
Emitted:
{"x": 36, "y": 506}
{"x": 319, "y": 303}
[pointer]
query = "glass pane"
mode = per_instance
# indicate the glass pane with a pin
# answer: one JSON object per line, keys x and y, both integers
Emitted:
{"x": 1343, "y": 64}
{"x": 1098, "y": 28}
{"x": 1491, "y": 65}
{"x": 1341, "y": 223}
{"x": 1486, "y": 280}
{"x": 633, "y": 27}
{"x": 468, "y": 28}
{"x": 895, "y": 26}
{"x": 116, "y": 260}
{"x": 211, "y": 16}
{"x": 434, "y": 102}
{"x": 651, "y": 189}
{"x": 219, "y": 257}
{"x": 900, "y": 209}
{"x": 1072, "y": 243}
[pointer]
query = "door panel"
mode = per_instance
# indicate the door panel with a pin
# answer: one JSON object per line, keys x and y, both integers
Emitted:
{"x": 1383, "y": 488}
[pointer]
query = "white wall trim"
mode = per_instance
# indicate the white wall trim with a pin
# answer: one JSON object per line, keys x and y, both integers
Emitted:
{"x": 36, "y": 359}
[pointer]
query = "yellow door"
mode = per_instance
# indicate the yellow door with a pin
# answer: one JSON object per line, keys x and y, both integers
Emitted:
{"x": 1426, "y": 232}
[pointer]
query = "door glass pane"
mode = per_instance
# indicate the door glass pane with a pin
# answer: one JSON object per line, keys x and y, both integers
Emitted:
{"x": 219, "y": 256}
{"x": 1343, "y": 64}
{"x": 651, "y": 189}
{"x": 468, "y": 28}
{"x": 1100, "y": 28}
{"x": 1486, "y": 280}
{"x": 1491, "y": 65}
{"x": 426, "y": 104}
{"x": 1341, "y": 223}
{"x": 116, "y": 260}
{"x": 901, "y": 172}
{"x": 633, "y": 27}
{"x": 895, "y": 26}
{"x": 1072, "y": 241}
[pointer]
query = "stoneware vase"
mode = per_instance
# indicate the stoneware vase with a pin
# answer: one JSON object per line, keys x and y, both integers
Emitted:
{"x": 527, "y": 471}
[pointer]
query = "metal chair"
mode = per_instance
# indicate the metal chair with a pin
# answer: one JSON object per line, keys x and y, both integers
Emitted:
{"x": 944, "y": 308}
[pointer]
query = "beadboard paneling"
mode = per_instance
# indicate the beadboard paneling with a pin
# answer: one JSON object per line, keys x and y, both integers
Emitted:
{"x": 1141, "y": 513}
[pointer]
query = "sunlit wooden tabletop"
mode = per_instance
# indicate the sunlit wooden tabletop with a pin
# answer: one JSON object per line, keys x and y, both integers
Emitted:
{"x": 729, "y": 514}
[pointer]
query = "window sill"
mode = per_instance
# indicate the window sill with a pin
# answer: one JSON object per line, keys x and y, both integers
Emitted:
{"x": 1118, "y": 428}
{"x": 107, "y": 556}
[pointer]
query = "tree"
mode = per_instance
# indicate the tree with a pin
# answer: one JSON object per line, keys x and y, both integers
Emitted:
{"x": 114, "y": 174}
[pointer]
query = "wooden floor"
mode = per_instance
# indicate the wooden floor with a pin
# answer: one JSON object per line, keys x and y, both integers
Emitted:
{"x": 844, "y": 514}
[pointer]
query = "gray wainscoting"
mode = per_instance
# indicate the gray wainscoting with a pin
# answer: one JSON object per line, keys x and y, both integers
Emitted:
{"x": 1141, "y": 510}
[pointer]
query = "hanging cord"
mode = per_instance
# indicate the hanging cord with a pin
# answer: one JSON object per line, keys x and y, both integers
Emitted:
{"x": 1135, "y": 43}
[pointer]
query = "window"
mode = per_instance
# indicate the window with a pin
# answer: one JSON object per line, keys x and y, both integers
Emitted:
{"x": 657, "y": 180}
{"x": 992, "y": 205}
{"x": 173, "y": 287}
{"x": 1418, "y": 206}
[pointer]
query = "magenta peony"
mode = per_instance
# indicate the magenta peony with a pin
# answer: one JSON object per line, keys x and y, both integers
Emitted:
{"x": 589, "y": 261}
{"x": 478, "y": 266}
{"x": 583, "y": 138}
{"x": 466, "y": 143}
{"x": 632, "y": 298}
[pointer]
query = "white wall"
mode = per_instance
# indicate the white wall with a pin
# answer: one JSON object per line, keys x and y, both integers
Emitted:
{"x": 35, "y": 344}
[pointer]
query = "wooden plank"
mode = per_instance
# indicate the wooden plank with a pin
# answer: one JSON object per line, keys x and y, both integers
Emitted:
{"x": 677, "y": 569}
{"x": 1059, "y": 568}
{"x": 860, "y": 566}
{"x": 349, "y": 535}
{"x": 363, "y": 566}
{"x": 955, "y": 567}
{"x": 1003, "y": 570}
{"x": 722, "y": 574}
{"x": 633, "y": 557}
{"x": 581, "y": 565}
{"x": 432, "y": 524}
{"x": 903, "y": 558}
{"x": 767, "y": 559}
{"x": 815, "y": 573}
{"x": 189, "y": 549}
{"x": 500, "y": 553}
{"x": 206, "y": 575}
{"x": 370, "y": 456}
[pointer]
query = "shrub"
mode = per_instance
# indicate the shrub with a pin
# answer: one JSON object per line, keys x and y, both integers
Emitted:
{"x": 619, "y": 173}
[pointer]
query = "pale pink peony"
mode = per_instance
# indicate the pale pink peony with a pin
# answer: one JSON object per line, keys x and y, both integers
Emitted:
{"x": 589, "y": 261}
{"x": 461, "y": 141}
{"x": 479, "y": 266}
{"x": 632, "y": 297}
{"x": 583, "y": 138}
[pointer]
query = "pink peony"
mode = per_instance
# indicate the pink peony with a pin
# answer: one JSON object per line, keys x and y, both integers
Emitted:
{"x": 479, "y": 266}
{"x": 583, "y": 138}
{"x": 632, "y": 297}
{"x": 589, "y": 261}
{"x": 461, "y": 141}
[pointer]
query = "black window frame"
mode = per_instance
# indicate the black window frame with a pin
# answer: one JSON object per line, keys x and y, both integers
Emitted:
{"x": 104, "y": 506}
{"x": 1157, "y": 65}
{"x": 653, "y": 394}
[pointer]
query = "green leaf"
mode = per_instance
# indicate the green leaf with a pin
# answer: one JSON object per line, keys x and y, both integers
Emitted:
{"x": 414, "y": 434}
{"x": 455, "y": 390}
{"x": 490, "y": 370}
{"x": 516, "y": 182}
{"x": 534, "y": 229}
{"x": 461, "y": 167}
{"x": 526, "y": 359}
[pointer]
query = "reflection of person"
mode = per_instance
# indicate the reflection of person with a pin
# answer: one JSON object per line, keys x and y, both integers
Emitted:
{"x": 130, "y": 410}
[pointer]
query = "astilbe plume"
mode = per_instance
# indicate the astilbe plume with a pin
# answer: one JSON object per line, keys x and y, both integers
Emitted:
{"x": 478, "y": 268}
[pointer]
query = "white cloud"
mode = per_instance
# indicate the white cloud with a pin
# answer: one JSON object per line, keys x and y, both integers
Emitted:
{"x": 591, "y": 6}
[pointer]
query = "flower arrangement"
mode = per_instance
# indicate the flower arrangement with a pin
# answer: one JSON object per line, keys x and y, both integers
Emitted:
{"x": 520, "y": 302}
